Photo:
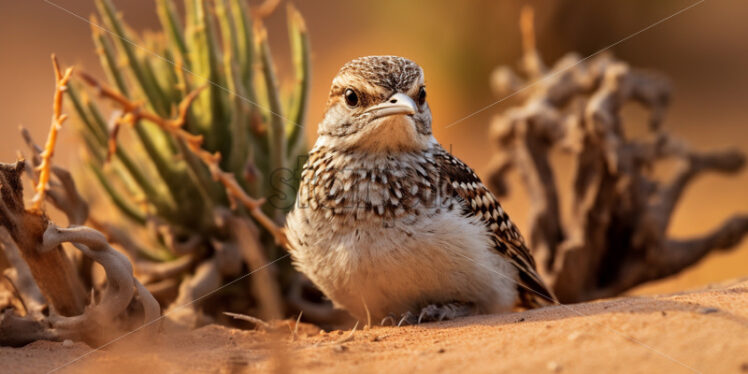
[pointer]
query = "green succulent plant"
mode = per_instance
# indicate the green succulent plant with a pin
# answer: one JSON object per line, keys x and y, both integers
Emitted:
{"x": 240, "y": 114}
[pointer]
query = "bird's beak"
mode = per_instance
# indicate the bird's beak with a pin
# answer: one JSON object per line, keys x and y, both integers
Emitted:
{"x": 398, "y": 103}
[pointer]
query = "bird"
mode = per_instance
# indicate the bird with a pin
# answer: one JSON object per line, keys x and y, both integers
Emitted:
{"x": 388, "y": 224}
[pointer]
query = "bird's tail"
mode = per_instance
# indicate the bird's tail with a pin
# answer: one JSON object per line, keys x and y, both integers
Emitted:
{"x": 533, "y": 293}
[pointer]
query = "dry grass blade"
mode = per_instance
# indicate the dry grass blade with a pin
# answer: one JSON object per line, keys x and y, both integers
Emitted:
{"x": 247, "y": 318}
{"x": 295, "y": 332}
{"x": 368, "y": 313}
{"x": 348, "y": 337}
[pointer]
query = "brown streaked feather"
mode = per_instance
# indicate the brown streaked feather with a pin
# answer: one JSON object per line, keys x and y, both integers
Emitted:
{"x": 477, "y": 200}
{"x": 390, "y": 72}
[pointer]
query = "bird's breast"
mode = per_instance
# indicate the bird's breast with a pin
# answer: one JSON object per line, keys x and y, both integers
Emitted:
{"x": 347, "y": 189}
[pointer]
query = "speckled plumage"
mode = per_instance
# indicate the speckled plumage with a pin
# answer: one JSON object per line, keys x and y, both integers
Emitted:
{"x": 386, "y": 217}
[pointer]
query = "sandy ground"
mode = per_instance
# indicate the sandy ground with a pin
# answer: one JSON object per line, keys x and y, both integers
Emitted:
{"x": 696, "y": 331}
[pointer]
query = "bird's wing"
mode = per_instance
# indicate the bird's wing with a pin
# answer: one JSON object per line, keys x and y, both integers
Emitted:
{"x": 478, "y": 201}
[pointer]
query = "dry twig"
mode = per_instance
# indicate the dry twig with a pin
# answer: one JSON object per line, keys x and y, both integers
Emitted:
{"x": 121, "y": 289}
{"x": 39, "y": 242}
{"x": 616, "y": 236}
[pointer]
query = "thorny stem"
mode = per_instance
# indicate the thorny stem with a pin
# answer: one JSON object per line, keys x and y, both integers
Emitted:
{"x": 235, "y": 192}
{"x": 61, "y": 81}
{"x": 134, "y": 112}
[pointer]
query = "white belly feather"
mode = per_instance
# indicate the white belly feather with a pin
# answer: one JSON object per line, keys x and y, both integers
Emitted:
{"x": 403, "y": 266}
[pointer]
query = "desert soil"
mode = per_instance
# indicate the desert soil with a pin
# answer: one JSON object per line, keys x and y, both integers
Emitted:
{"x": 696, "y": 331}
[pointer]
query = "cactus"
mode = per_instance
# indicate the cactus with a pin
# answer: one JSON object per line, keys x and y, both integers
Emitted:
{"x": 176, "y": 214}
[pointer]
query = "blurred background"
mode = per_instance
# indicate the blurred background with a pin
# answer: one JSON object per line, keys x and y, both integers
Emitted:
{"x": 702, "y": 51}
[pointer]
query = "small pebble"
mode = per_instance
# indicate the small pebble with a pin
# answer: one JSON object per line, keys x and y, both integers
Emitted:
{"x": 663, "y": 313}
{"x": 744, "y": 367}
{"x": 340, "y": 348}
{"x": 554, "y": 366}
{"x": 67, "y": 343}
{"x": 708, "y": 310}
{"x": 521, "y": 319}
{"x": 441, "y": 350}
{"x": 574, "y": 336}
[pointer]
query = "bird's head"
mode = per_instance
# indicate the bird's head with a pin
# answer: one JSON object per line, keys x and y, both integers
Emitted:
{"x": 378, "y": 104}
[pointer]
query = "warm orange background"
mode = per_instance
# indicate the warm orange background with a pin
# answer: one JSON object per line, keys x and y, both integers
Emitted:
{"x": 703, "y": 51}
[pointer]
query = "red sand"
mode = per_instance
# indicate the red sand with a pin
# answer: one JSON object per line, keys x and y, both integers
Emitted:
{"x": 698, "y": 331}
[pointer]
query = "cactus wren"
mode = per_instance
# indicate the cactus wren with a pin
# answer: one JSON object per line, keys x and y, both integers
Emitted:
{"x": 389, "y": 224}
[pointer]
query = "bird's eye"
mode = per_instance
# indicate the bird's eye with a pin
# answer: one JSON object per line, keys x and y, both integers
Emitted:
{"x": 421, "y": 96}
{"x": 351, "y": 98}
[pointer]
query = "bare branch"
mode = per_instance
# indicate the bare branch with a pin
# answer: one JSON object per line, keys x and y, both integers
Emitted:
{"x": 184, "y": 310}
{"x": 616, "y": 235}
{"x": 121, "y": 284}
{"x": 264, "y": 284}
{"x": 52, "y": 270}
{"x": 16, "y": 331}
{"x": 20, "y": 275}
